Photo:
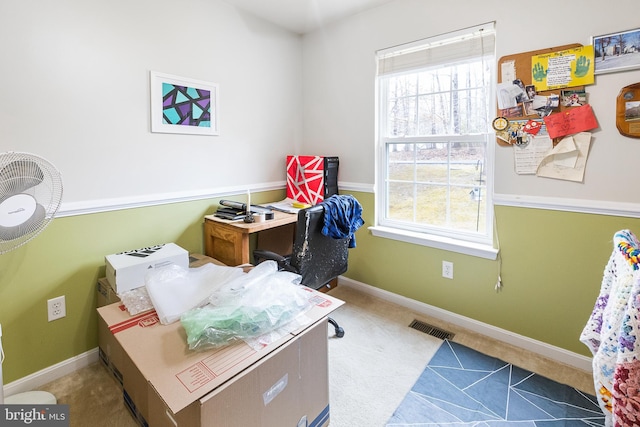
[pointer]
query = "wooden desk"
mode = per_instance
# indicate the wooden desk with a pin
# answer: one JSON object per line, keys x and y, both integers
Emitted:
{"x": 228, "y": 241}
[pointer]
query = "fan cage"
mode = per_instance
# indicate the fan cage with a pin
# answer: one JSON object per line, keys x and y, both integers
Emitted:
{"x": 25, "y": 173}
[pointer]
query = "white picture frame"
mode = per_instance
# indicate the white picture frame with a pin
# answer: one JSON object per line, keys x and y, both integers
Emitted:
{"x": 616, "y": 52}
{"x": 183, "y": 105}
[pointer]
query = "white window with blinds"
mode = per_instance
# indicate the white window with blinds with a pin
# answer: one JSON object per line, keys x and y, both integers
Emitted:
{"x": 435, "y": 144}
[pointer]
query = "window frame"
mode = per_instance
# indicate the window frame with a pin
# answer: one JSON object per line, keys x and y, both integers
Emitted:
{"x": 476, "y": 244}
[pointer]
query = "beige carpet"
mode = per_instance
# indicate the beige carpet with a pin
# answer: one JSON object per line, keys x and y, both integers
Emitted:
{"x": 371, "y": 368}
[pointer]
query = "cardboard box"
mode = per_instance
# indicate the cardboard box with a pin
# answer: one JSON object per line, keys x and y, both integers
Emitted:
{"x": 113, "y": 356}
{"x": 198, "y": 260}
{"x": 135, "y": 413}
{"x": 110, "y": 351}
{"x": 287, "y": 387}
{"x": 112, "y": 319}
{"x": 201, "y": 388}
{"x": 126, "y": 270}
{"x": 106, "y": 294}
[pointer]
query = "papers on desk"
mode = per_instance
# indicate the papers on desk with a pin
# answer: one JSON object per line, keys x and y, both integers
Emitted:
{"x": 285, "y": 206}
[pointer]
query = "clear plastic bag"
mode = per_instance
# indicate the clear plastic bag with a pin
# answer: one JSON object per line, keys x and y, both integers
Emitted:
{"x": 173, "y": 290}
{"x": 253, "y": 305}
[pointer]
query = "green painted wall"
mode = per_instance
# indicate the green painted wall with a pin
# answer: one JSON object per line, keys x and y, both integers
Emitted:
{"x": 67, "y": 258}
{"x": 552, "y": 265}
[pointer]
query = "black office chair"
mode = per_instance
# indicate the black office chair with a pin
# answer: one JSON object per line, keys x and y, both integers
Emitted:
{"x": 316, "y": 257}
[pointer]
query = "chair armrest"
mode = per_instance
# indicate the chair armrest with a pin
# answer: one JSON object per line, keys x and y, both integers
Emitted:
{"x": 260, "y": 255}
{"x": 268, "y": 255}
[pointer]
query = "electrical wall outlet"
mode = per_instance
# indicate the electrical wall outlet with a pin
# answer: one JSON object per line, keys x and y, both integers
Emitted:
{"x": 56, "y": 308}
{"x": 447, "y": 269}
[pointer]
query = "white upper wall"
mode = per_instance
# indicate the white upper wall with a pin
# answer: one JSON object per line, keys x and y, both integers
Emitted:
{"x": 75, "y": 89}
{"x": 339, "y": 84}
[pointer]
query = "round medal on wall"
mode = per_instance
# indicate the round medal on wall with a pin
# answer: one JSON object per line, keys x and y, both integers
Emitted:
{"x": 500, "y": 123}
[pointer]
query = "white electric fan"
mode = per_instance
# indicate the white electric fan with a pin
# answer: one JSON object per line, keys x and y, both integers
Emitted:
{"x": 30, "y": 195}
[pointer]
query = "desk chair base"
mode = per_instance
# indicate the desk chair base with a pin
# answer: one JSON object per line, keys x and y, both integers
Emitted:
{"x": 339, "y": 330}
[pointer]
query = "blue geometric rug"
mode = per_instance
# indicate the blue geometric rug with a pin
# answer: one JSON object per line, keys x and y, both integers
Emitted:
{"x": 462, "y": 387}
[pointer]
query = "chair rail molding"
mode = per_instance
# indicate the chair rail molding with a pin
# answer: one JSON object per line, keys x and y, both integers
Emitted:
{"x": 599, "y": 207}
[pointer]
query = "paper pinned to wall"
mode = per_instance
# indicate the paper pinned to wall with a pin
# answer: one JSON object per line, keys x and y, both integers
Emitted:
{"x": 508, "y": 71}
{"x": 507, "y": 94}
{"x": 566, "y": 68}
{"x": 574, "y": 120}
{"x": 528, "y": 157}
{"x": 568, "y": 159}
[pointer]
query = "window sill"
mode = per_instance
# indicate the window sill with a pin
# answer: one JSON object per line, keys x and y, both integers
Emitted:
{"x": 438, "y": 242}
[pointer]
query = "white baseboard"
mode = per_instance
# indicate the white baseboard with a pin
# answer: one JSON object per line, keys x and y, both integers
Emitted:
{"x": 52, "y": 373}
{"x": 551, "y": 352}
{"x": 578, "y": 361}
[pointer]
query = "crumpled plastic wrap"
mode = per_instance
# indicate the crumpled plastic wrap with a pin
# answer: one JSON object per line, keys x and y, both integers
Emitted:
{"x": 136, "y": 300}
{"x": 259, "y": 302}
{"x": 173, "y": 290}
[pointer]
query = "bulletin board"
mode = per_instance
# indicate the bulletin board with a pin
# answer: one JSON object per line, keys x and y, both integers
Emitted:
{"x": 522, "y": 65}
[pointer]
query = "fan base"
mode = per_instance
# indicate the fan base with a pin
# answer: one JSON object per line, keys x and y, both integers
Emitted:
{"x": 31, "y": 398}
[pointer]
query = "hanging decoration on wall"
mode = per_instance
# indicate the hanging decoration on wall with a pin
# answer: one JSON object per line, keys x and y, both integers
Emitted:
{"x": 549, "y": 126}
{"x": 531, "y": 86}
{"x": 560, "y": 69}
{"x": 616, "y": 52}
{"x": 628, "y": 111}
{"x": 183, "y": 105}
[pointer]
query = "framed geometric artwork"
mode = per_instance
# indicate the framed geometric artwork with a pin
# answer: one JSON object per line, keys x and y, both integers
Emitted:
{"x": 183, "y": 105}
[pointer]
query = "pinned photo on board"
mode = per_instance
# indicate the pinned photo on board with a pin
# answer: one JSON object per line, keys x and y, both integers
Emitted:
{"x": 573, "y": 98}
{"x": 531, "y": 92}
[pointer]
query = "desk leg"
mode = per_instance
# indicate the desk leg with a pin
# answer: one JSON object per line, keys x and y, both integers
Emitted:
{"x": 242, "y": 250}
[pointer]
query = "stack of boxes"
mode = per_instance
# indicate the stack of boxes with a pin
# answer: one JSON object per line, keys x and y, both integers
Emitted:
{"x": 126, "y": 270}
{"x": 284, "y": 383}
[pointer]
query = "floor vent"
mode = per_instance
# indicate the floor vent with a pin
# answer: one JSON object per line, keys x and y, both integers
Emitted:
{"x": 431, "y": 330}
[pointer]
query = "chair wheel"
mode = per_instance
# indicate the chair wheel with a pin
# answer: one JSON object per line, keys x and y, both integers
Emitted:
{"x": 339, "y": 332}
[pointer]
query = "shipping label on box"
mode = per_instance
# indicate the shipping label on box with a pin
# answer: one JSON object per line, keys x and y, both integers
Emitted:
{"x": 126, "y": 270}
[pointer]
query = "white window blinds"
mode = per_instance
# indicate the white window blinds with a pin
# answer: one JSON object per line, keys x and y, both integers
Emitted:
{"x": 447, "y": 48}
